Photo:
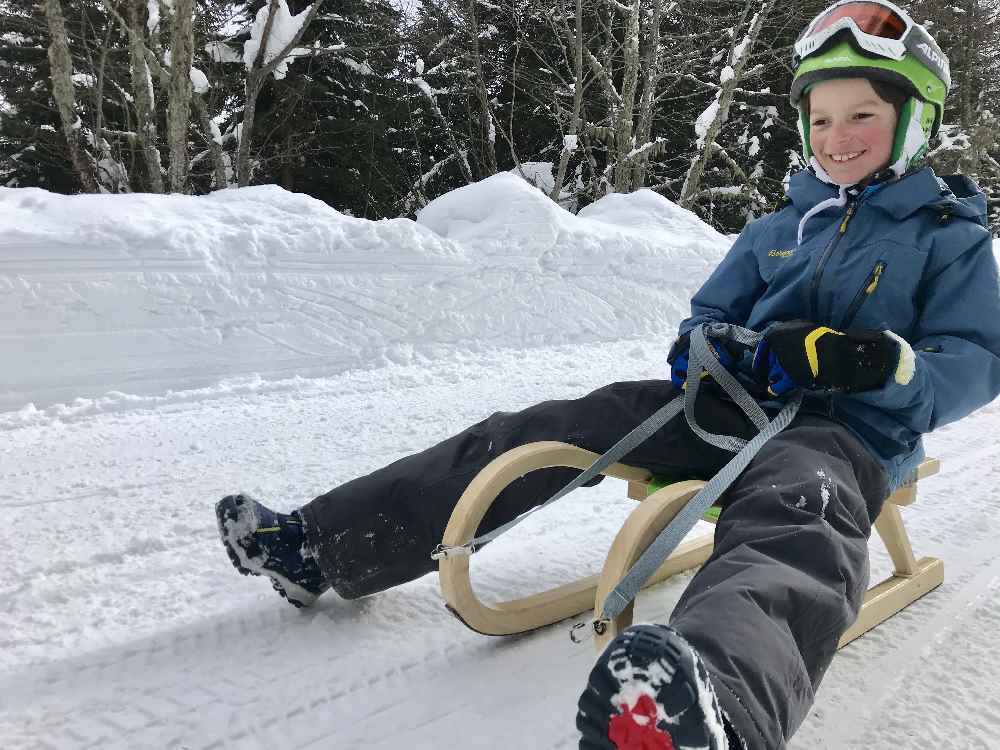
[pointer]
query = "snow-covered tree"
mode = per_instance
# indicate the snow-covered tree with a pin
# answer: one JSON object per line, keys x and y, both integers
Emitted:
{"x": 710, "y": 122}
{"x": 378, "y": 110}
{"x": 272, "y": 46}
{"x": 969, "y": 33}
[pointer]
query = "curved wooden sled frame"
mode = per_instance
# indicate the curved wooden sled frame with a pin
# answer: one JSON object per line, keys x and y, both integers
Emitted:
{"x": 910, "y": 580}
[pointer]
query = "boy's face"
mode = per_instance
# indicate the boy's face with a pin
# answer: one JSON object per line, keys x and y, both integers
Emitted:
{"x": 850, "y": 129}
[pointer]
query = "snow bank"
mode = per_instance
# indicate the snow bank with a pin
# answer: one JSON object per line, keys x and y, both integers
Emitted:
{"x": 143, "y": 293}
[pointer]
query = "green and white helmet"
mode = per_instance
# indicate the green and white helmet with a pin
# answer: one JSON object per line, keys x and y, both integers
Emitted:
{"x": 876, "y": 40}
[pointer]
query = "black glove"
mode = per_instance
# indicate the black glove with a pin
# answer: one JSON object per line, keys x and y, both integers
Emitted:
{"x": 801, "y": 354}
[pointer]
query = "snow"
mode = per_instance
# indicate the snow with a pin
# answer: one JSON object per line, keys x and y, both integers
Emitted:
{"x": 426, "y": 88}
{"x": 824, "y": 490}
{"x": 149, "y": 82}
{"x": 705, "y": 119}
{"x": 221, "y": 52}
{"x": 161, "y": 351}
{"x": 741, "y": 48}
{"x": 200, "y": 81}
{"x": 363, "y": 68}
{"x": 952, "y": 138}
{"x": 14, "y": 39}
{"x": 538, "y": 173}
{"x": 181, "y": 292}
{"x": 153, "y": 15}
{"x": 284, "y": 27}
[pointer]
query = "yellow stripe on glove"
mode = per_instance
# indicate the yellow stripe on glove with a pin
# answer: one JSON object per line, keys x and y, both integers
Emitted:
{"x": 810, "y": 341}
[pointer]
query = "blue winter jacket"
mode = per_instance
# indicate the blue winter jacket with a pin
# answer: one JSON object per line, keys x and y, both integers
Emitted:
{"x": 910, "y": 256}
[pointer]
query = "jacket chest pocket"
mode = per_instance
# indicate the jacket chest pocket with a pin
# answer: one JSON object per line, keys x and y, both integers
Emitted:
{"x": 877, "y": 288}
{"x": 867, "y": 290}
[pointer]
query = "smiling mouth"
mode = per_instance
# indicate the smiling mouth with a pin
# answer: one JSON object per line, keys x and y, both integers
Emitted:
{"x": 845, "y": 158}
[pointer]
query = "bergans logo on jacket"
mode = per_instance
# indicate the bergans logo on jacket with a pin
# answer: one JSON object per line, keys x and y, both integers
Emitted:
{"x": 913, "y": 257}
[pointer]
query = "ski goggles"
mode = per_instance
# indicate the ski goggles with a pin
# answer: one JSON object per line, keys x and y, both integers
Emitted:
{"x": 879, "y": 28}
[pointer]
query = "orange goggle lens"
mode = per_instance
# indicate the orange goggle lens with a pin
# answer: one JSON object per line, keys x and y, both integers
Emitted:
{"x": 871, "y": 18}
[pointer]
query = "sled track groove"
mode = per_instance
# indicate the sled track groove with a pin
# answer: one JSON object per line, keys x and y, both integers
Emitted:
{"x": 250, "y": 680}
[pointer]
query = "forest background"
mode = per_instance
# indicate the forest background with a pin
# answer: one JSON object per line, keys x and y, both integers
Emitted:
{"x": 377, "y": 107}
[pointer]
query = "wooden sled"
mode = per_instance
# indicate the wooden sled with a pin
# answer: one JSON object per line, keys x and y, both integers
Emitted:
{"x": 910, "y": 580}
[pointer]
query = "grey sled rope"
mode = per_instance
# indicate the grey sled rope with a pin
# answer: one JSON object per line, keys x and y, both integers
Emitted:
{"x": 701, "y": 359}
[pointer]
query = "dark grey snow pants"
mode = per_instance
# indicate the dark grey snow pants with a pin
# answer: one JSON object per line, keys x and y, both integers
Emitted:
{"x": 785, "y": 580}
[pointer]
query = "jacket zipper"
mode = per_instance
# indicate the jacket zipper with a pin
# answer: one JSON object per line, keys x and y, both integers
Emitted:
{"x": 866, "y": 291}
{"x": 821, "y": 266}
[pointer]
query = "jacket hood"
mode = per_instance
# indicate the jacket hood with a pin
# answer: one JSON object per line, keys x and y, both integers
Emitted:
{"x": 953, "y": 194}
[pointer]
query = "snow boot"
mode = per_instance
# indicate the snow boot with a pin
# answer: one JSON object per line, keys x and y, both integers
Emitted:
{"x": 649, "y": 690}
{"x": 261, "y": 542}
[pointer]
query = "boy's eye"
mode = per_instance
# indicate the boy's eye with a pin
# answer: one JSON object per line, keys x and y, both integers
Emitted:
{"x": 862, "y": 115}
{"x": 818, "y": 122}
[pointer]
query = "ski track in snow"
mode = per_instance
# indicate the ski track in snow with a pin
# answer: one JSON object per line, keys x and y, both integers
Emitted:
{"x": 149, "y": 638}
{"x": 125, "y": 626}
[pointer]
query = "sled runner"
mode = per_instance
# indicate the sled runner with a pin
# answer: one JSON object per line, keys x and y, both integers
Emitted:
{"x": 911, "y": 578}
